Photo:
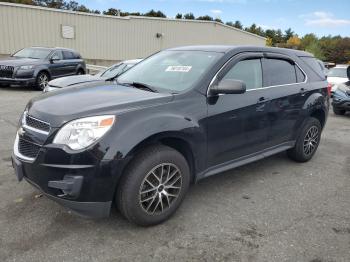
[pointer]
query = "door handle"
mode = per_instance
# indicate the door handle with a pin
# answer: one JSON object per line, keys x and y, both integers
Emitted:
{"x": 303, "y": 91}
{"x": 262, "y": 99}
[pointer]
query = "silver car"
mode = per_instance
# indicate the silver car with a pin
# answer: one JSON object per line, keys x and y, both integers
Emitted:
{"x": 109, "y": 74}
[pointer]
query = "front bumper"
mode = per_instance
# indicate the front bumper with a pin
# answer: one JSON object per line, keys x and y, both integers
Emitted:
{"x": 17, "y": 81}
{"x": 91, "y": 195}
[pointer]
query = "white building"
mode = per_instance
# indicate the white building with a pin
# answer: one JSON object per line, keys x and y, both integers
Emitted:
{"x": 104, "y": 39}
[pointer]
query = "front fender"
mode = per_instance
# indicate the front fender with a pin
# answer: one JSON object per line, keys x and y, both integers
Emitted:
{"x": 124, "y": 140}
{"x": 40, "y": 68}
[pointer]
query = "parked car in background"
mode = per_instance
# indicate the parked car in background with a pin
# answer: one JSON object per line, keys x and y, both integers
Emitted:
{"x": 110, "y": 73}
{"x": 36, "y": 66}
{"x": 337, "y": 75}
{"x": 341, "y": 97}
{"x": 177, "y": 117}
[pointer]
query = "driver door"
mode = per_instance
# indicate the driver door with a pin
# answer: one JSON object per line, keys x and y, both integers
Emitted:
{"x": 238, "y": 123}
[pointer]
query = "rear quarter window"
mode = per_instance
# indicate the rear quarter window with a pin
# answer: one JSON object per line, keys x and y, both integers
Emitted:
{"x": 68, "y": 55}
{"x": 312, "y": 63}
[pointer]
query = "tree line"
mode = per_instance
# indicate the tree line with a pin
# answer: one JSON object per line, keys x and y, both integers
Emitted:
{"x": 327, "y": 48}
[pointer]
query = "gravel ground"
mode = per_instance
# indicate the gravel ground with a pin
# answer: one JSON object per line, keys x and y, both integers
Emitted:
{"x": 271, "y": 210}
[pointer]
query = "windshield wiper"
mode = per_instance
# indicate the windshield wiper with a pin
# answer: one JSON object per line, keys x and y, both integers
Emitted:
{"x": 140, "y": 86}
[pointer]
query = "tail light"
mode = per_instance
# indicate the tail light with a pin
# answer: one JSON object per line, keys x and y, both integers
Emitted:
{"x": 329, "y": 89}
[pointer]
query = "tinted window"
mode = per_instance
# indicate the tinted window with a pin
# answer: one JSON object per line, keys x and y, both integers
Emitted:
{"x": 248, "y": 71}
{"x": 57, "y": 55}
{"x": 68, "y": 55}
{"x": 314, "y": 65}
{"x": 300, "y": 74}
{"x": 280, "y": 72}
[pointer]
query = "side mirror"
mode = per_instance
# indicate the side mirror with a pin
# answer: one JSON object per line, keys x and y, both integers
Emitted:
{"x": 54, "y": 59}
{"x": 229, "y": 86}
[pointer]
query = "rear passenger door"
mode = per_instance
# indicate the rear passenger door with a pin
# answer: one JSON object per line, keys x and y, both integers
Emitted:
{"x": 284, "y": 83}
{"x": 71, "y": 62}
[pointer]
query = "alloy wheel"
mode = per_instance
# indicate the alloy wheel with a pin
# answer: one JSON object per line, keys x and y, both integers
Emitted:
{"x": 160, "y": 188}
{"x": 43, "y": 80}
{"x": 310, "y": 140}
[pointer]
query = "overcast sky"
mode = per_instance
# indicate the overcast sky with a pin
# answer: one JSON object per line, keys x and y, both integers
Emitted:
{"x": 322, "y": 17}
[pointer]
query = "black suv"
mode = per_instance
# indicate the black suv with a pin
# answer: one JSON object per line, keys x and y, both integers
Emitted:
{"x": 35, "y": 66}
{"x": 178, "y": 116}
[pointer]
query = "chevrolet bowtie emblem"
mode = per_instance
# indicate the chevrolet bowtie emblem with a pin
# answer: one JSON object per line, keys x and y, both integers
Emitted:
{"x": 21, "y": 131}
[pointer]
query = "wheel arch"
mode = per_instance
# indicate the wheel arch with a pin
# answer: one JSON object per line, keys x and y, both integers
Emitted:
{"x": 80, "y": 68}
{"x": 43, "y": 70}
{"x": 316, "y": 106}
{"x": 320, "y": 115}
{"x": 171, "y": 139}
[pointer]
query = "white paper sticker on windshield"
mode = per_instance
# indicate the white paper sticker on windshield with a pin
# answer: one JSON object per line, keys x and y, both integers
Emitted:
{"x": 183, "y": 69}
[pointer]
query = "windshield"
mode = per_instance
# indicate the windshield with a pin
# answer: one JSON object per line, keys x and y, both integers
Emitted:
{"x": 171, "y": 70}
{"x": 114, "y": 71}
{"x": 36, "y": 53}
{"x": 337, "y": 72}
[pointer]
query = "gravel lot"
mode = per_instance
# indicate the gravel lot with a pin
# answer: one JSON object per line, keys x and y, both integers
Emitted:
{"x": 271, "y": 210}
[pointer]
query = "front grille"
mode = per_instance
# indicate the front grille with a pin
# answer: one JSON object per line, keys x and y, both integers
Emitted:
{"x": 28, "y": 149}
{"x": 37, "y": 124}
{"x": 6, "y": 71}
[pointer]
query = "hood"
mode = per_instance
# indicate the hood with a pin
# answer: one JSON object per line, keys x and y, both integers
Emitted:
{"x": 75, "y": 102}
{"x": 73, "y": 80}
{"x": 14, "y": 61}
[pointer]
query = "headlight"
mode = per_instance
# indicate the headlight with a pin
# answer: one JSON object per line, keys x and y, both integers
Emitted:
{"x": 26, "y": 67}
{"x": 81, "y": 133}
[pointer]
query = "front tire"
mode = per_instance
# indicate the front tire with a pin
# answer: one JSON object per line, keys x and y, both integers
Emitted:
{"x": 153, "y": 186}
{"x": 307, "y": 141}
{"x": 338, "y": 111}
{"x": 41, "y": 81}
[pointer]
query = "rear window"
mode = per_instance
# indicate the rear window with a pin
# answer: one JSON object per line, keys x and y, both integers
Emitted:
{"x": 314, "y": 65}
{"x": 280, "y": 72}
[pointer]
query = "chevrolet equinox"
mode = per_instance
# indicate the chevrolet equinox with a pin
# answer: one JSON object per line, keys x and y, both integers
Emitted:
{"x": 179, "y": 116}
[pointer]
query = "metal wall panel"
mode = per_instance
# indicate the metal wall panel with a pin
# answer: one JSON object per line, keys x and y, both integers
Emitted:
{"x": 109, "y": 38}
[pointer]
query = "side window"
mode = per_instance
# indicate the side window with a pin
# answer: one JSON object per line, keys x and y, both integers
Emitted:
{"x": 248, "y": 71}
{"x": 314, "y": 65}
{"x": 300, "y": 74}
{"x": 57, "y": 55}
{"x": 280, "y": 72}
{"x": 68, "y": 55}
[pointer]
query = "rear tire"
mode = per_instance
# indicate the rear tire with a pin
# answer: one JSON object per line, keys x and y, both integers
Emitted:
{"x": 80, "y": 72}
{"x": 153, "y": 185}
{"x": 41, "y": 81}
{"x": 338, "y": 111}
{"x": 307, "y": 141}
